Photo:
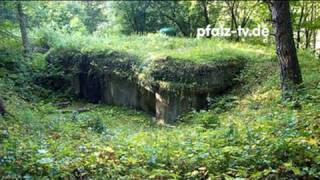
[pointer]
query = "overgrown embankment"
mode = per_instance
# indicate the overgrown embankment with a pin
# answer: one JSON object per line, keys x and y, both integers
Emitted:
{"x": 162, "y": 85}
{"x": 247, "y": 133}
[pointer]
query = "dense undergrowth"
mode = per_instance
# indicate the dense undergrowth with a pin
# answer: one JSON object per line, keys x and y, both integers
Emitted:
{"x": 248, "y": 133}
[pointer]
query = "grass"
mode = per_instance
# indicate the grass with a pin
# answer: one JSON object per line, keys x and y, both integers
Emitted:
{"x": 146, "y": 57}
{"x": 248, "y": 133}
{"x": 154, "y": 46}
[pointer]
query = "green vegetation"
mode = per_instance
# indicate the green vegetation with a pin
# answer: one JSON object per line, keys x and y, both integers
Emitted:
{"x": 172, "y": 63}
{"x": 247, "y": 133}
{"x": 153, "y": 46}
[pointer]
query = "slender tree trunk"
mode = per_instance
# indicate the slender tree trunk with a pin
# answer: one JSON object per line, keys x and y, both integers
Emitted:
{"x": 290, "y": 73}
{"x": 314, "y": 16}
{"x": 205, "y": 14}
{"x": 307, "y": 38}
{"x": 23, "y": 28}
{"x": 312, "y": 31}
{"x": 2, "y": 109}
{"x": 299, "y": 25}
{"x": 234, "y": 20}
{"x": 314, "y": 39}
{"x": 298, "y": 38}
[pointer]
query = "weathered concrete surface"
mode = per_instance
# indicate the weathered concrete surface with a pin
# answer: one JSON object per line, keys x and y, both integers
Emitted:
{"x": 86, "y": 84}
{"x": 191, "y": 84}
{"x": 113, "y": 90}
{"x": 147, "y": 101}
{"x": 170, "y": 106}
{"x": 120, "y": 91}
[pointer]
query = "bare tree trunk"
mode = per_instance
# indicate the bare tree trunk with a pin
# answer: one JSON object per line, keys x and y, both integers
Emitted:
{"x": 314, "y": 39}
{"x": 234, "y": 19}
{"x": 2, "y": 108}
{"x": 23, "y": 29}
{"x": 290, "y": 73}
{"x": 299, "y": 25}
{"x": 234, "y": 7}
{"x": 307, "y": 38}
{"x": 314, "y": 16}
{"x": 205, "y": 12}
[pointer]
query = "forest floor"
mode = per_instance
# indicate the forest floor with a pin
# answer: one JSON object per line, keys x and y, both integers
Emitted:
{"x": 247, "y": 133}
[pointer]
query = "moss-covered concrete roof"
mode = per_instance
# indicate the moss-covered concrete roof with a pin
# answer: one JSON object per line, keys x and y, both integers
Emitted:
{"x": 157, "y": 60}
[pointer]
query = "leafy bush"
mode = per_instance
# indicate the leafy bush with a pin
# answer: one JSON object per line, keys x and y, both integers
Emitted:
{"x": 38, "y": 61}
{"x": 96, "y": 125}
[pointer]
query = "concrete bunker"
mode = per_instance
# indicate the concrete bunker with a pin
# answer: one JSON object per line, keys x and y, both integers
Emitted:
{"x": 164, "y": 88}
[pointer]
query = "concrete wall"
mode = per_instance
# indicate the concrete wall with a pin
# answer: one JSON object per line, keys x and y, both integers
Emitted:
{"x": 123, "y": 92}
{"x": 170, "y": 106}
{"x": 165, "y": 104}
{"x": 114, "y": 90}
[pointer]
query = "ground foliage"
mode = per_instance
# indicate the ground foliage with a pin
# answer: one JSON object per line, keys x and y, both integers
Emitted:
{"x": 247, "y": 133}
